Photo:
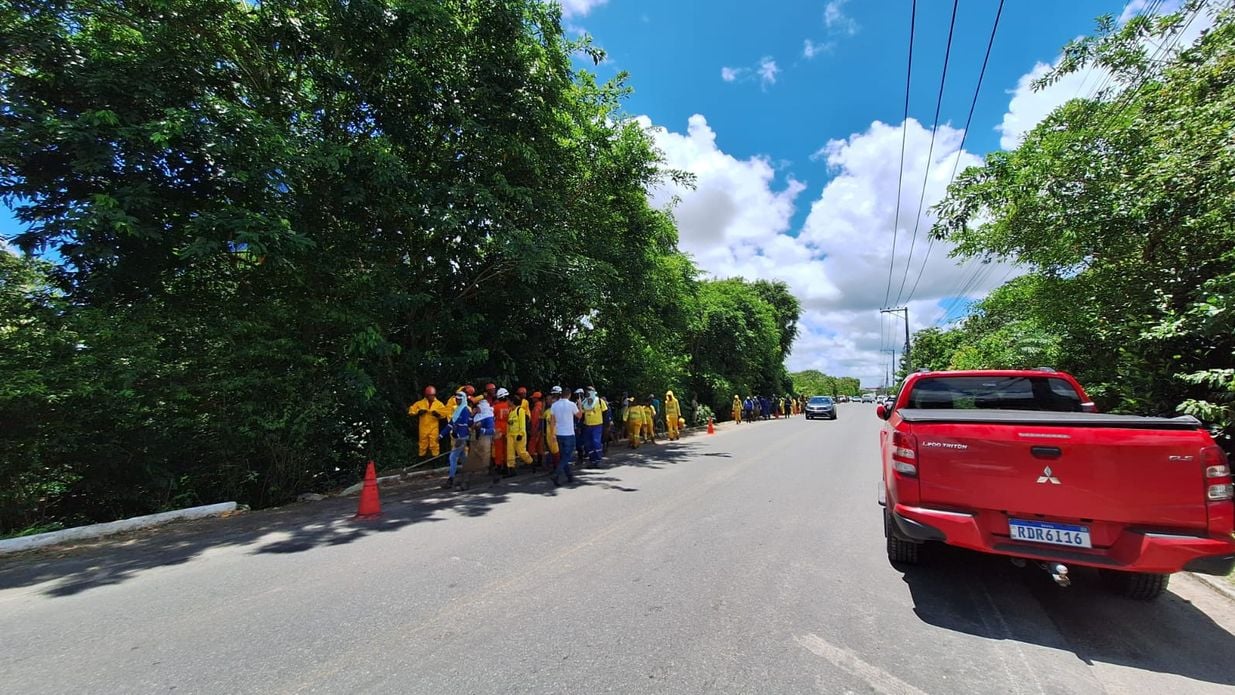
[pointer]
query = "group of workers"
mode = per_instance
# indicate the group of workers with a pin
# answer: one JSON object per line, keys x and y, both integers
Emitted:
{"x": 754, "y": 408}
{"x": 497, "y": 430}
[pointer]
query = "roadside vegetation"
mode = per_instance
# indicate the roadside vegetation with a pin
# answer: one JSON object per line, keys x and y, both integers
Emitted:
{"x": 813, "y": 382}
{"x": 255, "y": 231}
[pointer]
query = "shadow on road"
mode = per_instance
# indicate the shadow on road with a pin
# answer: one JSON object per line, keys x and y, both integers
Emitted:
{"x": 300, "y": 527}
{"x": 989, "y": 597}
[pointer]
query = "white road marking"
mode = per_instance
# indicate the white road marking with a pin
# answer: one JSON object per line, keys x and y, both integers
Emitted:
{"x": 878, "y": 679}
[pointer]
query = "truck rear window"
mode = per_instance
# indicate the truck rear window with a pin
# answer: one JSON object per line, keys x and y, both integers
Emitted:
{"x": 998, "y": 393}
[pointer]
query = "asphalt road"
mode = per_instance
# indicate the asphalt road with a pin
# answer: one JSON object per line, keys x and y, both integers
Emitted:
{"x": 751, "y": 561}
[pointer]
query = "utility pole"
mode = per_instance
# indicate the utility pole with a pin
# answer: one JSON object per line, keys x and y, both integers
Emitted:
{"x": 901, "y": 310}
{"x": 889, "y": 372}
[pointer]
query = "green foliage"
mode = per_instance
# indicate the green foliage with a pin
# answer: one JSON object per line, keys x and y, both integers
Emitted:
{"x": 1121, "y": 207}
{"x": 813, "y": 382}
{"x": 737, "y": 344}
{"x": 278, "y": 221}
{"x": 701, "y": 416}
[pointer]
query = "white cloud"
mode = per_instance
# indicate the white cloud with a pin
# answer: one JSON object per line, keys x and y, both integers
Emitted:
{"x": 810, "y": 49}
{"x": 850, "y": 225}
{"x": 579, "y": 8}
{"x": 1027, "y": 108}
{"x": 767, "y": 71}
{"x": 1132, "y": 9}
{"x": 738, "y": 221}
{"x": 836, "y": 20}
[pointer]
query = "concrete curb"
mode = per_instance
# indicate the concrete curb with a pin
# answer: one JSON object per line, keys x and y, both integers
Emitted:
{"x": 1218, "y": 584}
{"x": 42, "y": 540}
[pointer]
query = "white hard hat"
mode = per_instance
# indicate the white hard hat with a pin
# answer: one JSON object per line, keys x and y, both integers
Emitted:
{"x": 502, "y": 393}
{"x": 556, "y": 390}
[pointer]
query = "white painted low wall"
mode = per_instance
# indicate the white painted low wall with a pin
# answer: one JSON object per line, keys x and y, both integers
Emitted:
{"x": 41, "y": 540}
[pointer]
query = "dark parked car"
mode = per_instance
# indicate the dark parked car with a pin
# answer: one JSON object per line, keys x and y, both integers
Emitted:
{"x": 820, "y": 407}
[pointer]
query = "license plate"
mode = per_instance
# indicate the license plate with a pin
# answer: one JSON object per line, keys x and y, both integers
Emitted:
{"x": 1047, "y": 532}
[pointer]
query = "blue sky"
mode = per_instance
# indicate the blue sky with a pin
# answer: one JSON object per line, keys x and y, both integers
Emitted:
{"x": 675, "y": 52}
{"x": 791, "y": 116}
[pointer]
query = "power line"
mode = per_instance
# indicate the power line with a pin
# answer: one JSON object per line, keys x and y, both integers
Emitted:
{"x": 1150, "y": 10}
{"x": 900, "y": 175}
{"x": 975, "y": 281}
{"x": 930, "y": 152}
{"x": 1129, "y": 93}
{"x": 964, "y": 134}
{"x": 976, "y": 278}
{"x": 1120, "y": 105}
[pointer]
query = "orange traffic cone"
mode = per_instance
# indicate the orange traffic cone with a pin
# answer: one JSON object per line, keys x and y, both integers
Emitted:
{"x": 370, "y": 504}
{"x": 711, "y": 427}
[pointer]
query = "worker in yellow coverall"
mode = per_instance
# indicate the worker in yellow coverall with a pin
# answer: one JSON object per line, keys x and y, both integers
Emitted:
{"x": 632, "y": 415}
{"x": 649, "y": 421}
{"x": 516, "y": 433}
{"x": 430, "y": 413}
{"x": 673, "y": 412}
{"x": 549, "y": 429}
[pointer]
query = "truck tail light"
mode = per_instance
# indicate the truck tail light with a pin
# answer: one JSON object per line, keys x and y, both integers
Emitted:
{"x": 1219, "y": 492}
{"x": 904, "y": 453}
{"x": 1217, "y": 474}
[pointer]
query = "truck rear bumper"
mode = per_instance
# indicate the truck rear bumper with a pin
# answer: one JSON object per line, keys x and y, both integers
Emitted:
{"x": 1135, "y": 551}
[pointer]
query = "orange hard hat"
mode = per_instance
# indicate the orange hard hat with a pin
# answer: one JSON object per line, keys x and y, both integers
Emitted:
{"x": 430, "y": 391}
{"x": 522, "y": 390}
{"x": 537, "y": 395}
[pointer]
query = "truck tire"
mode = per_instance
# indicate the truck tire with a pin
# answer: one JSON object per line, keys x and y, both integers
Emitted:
{"x": 900, "y": 551}
{"x": 1139, "y": 586}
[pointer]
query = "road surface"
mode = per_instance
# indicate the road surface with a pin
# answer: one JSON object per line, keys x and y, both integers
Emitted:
{"x": 751, "y": 561}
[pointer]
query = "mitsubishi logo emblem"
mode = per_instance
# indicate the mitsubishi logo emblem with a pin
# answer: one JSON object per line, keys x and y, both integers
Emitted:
{"x": 1048, "y": 476}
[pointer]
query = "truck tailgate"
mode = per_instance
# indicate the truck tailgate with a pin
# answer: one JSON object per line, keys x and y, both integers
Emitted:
{"x": 1027, "y": 466}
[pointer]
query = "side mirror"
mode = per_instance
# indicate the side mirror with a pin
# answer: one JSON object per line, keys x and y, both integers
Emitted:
{"x": 882, "y": 412}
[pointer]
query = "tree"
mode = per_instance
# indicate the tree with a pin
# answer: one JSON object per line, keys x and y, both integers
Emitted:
{"x": 279, "y": 221}
{"x": 1121, "y": 207}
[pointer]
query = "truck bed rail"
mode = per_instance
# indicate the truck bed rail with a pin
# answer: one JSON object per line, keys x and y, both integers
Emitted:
{"x": 1047, "y": 419}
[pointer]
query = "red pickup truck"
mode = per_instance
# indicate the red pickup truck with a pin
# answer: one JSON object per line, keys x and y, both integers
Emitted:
{"x": 1019, "y": 463}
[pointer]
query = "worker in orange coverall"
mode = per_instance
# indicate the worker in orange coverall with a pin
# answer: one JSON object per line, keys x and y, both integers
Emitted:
{"x": 536, "y": 436}
{"x": 501, "y": 411}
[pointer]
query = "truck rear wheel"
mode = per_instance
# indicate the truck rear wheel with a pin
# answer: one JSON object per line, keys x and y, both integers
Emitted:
{"x": 900, "y": 551}
{"x": 1139, "y": 586}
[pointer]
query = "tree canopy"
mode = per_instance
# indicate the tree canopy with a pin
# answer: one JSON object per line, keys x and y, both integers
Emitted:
{"x": 813, "y": 382}
{"x": 267, "y": 226}
{"x": 1122, "y": 208}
